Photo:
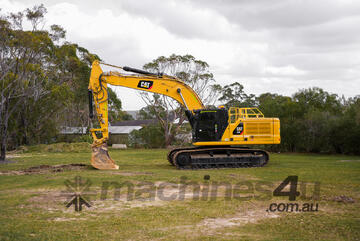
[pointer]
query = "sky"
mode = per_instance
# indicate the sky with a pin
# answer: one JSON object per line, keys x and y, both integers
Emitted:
{"x": 277, "y": 46}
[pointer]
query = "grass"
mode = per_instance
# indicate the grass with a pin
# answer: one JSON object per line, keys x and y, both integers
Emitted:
{"x": 32, "y": 207}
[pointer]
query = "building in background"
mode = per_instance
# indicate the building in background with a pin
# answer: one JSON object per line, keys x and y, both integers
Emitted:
{"x": 119, "y": 131}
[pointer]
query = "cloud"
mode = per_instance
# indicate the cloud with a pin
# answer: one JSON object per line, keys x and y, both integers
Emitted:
{"x": 269, "y": 46}
{"x": 182, "y": 18}
{"x": 264, "y": 14}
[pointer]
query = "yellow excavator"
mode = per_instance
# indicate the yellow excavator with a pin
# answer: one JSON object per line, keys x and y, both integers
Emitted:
{"x": 219, "y": 134}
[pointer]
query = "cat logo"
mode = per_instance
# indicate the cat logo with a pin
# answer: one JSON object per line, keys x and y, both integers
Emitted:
{"x": 239, "y": 129}
{"x": 145, "y": 84}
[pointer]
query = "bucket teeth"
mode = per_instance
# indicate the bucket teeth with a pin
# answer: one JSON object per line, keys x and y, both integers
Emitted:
{"x": 100, "y": 158}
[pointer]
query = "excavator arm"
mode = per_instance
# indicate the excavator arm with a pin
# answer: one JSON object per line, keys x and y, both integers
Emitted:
{"x": 141, "y": 80}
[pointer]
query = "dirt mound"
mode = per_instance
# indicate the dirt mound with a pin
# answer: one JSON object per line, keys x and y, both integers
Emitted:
{"x": 46, "y": 169}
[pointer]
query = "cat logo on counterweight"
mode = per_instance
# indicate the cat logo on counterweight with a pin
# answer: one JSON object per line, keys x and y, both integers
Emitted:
{"x": 239, "y": 129}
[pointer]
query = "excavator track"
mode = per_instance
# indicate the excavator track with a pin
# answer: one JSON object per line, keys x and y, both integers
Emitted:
{"x": 171, "y": 153}
{"x": 217, "y": 157}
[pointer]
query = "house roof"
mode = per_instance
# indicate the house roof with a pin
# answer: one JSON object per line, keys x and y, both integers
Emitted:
{"x": 177, "y": 120}
{"x": 112, "y": 129}
{"x": 73, "y": 130}
{"x": 123, "y": 129}
{"x": 135, "y": 122}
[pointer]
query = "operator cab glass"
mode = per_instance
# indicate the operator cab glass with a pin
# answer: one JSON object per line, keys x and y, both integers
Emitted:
{"x": 209, "y": 124}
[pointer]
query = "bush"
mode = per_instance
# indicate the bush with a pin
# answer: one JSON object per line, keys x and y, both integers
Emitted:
{"x": 151, "y": 136}
{"x": 85, "y": 138}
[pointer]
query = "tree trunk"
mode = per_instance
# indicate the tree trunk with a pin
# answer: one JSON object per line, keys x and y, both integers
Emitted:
{"x": 24, "y": 140}
{"x": 3, "y": 142}
{"x": 3, "y": 151}
{"x": 168, "y": 140}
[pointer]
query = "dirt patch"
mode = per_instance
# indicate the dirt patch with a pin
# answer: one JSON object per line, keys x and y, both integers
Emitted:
{"x": 137, "y": 195}
{"x": 211, "y": 226}
{"x": 23, "y": 156}
{"x": 157, "y": 194}
{"x": 142, "y": 196}
{"x": 111, "y": 206}
{"x": 46, "y": 169}
{"x": 128, "y": 174}
{"x": 45, "y": 199}
{"x": 67, "y": 219}
{"x": 343, "y": 199}
{"x": 237, "y": 220}
{"x": 349, "y": 161}
{"x": 6, "y": 162}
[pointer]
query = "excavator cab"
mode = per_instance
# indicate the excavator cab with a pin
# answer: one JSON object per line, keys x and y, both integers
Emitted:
{"x": 209, "y": 124}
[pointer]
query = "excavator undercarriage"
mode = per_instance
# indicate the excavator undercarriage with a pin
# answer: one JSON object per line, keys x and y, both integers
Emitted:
{"x": 207, "y": 157}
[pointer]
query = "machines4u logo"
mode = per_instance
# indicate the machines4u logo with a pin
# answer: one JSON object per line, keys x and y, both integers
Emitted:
{"x": 145, "y": 84}
{"x": 78, "y": 193}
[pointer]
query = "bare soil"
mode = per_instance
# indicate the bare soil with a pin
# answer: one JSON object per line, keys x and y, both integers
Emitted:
{"x": 237, "y": 220}
{"x": 129, "y": 174}
{"x": 343, "y": 199}
{"x": 211, "y": 226}
{"x": 46, "y": 169}
{"x": 349, "y": 161}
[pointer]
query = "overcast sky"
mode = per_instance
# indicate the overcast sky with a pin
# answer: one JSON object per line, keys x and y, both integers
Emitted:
{"x": 277, "y": 46}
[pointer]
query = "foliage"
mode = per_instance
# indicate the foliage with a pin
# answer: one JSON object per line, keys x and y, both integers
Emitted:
{"x": 233, "y": 95}
{"x": 151, "y": 136}
{"x": 193, "y": 72}
{"x": 84, "y": 138}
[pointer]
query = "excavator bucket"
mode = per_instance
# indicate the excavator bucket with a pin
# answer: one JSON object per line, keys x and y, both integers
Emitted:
{"x": 100, "y": 158}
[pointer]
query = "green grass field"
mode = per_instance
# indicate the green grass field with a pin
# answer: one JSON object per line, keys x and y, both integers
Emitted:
{"x": 32, "y": 203}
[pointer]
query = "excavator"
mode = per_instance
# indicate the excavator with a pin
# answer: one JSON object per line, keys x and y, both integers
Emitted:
{"x": 220, "y": 136}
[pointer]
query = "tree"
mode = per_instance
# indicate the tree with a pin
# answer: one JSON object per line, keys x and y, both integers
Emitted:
{"x": 151, "y": 111}
{"x": 151, "y": 136}
{"x": 317, "y": 98}
{"x": 43, "y": 81}
{"x": 233, "y": 95}
{"x": 345, "y": 130}
{"x": 22, "y": 53}
{"x": 193, "y": 72}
